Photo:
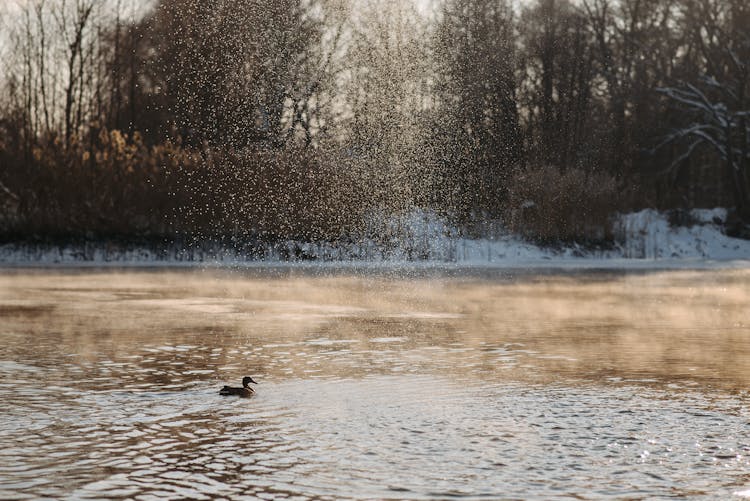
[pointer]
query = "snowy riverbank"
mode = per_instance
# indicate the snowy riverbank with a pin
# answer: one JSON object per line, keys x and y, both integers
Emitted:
{"x": 645, "y": 238}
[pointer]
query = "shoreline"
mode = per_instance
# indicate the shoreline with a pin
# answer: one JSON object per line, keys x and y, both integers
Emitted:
{"x": 645, "y": 240}
{"x": 537, "y": 266}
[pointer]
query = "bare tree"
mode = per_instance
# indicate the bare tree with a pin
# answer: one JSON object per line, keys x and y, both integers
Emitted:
{"x": 477, "y": 88}
{"x": 558, "y": 67}
{"x": 634, "y": 44}
{"x": 228, "y": 72}
{"x": 716, "y": 105}
{"x": 75, "y": 29}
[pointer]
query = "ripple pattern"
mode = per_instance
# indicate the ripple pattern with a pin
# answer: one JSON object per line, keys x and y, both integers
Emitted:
{"x": 111, "y": 391}
{"x": 375, "y": 437}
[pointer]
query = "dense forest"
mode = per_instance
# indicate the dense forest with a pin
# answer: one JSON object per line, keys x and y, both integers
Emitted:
{"x": 319, "y": 119}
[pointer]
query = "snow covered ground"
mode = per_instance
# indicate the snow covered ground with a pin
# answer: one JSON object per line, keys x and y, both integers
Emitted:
{"x": 648, "y": 235}
{"x": 422, "y": 239}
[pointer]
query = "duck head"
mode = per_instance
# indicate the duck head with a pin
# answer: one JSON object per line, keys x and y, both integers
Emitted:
{"x": 247, "y": 380}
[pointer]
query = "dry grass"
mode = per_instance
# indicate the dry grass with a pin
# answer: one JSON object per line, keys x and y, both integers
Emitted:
{"x": 112, "y": 184}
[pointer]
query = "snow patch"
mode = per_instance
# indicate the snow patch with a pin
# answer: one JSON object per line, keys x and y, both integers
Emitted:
{"x": 647, "y": 234}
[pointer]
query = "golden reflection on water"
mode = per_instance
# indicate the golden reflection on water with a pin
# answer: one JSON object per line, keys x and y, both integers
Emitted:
{"x": 673, "y": 325}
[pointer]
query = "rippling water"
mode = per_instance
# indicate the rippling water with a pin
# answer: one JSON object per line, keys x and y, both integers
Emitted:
{"x": 372, "y": 386}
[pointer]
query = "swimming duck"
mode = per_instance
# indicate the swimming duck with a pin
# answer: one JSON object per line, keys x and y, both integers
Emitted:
{"x": 245, "y": 391}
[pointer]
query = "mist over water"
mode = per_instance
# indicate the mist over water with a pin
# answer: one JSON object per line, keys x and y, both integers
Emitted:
{"x": 374, "y": 385}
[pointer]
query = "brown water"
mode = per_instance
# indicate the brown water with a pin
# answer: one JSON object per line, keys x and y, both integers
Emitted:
{"x": 374, "y": 386}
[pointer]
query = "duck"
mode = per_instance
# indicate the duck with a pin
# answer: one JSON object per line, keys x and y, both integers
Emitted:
{"x": 245, "y": 391}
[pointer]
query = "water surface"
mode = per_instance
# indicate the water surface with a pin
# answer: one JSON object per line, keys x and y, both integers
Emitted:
{"x": 372, "y": 385}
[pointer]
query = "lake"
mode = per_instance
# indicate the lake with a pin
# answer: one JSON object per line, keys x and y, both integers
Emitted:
{"x": 495, "y": 384}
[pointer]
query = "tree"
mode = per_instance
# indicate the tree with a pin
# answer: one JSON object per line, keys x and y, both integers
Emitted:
{"x": 716, "y": 106}
{"x": 477, "y": 114}
{"x": 227, "y": 72}
{"x": 635, "y": 46}
{"x": 558, "y": 64}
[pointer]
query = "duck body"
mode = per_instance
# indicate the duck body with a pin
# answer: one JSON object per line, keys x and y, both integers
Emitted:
{"x": 240, "y": 392}
{"x": 245, "y": 391}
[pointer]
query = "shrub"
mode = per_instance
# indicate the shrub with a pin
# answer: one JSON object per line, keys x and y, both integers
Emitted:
{"x": 548, "y": 205}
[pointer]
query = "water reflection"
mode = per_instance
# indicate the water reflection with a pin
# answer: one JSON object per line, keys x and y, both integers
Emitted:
{"x": 374, "y": 387}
